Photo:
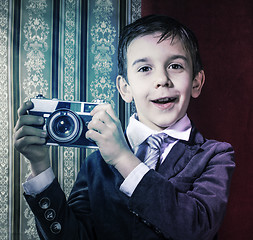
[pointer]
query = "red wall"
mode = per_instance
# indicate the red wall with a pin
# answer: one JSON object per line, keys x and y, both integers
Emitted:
{"x": 224, "y": 111}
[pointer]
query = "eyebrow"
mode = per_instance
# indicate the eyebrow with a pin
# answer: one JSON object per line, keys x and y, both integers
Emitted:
{"x": 173, "y": 57}
{"x": 141, "y": 60}
{"x": 179, "y": 57}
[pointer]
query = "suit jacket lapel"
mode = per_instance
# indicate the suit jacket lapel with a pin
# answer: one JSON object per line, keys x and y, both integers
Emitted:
{"x": 181, "y": 154}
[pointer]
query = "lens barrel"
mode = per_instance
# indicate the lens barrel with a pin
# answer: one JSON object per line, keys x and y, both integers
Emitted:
{"x": 64, "y": 126}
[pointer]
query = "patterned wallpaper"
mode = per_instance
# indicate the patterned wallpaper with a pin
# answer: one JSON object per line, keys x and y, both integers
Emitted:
{"x": 5, "y": 122}
{"x": 65, "y": 49}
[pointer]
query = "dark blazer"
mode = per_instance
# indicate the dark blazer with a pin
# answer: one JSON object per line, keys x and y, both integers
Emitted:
{"x": 184, "y": 199}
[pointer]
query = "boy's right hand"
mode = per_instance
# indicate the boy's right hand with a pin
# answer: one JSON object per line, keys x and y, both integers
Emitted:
{"x": 30, "y": 141}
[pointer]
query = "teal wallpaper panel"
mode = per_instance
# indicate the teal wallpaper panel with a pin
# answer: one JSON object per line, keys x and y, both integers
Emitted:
{"x": 58, "y": 48}
{"x": 69, "y": 82}
{"x": 69, "y": 57}
{"x": 103, "y": 30}
{"x": 35, "y": 48}
{"x": 36, "y": 19}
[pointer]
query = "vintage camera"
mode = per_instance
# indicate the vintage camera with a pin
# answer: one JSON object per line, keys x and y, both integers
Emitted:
{"x": 65, "y": 121}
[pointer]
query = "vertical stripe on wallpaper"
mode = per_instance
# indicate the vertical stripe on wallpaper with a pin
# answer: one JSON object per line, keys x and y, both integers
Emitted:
{"x": 35, "y": 76}
{"x": 69, "y": 82}
{"x": 103, "y": 28}
{"x": 135, "y": 14}
{"x": 5, "y": 121}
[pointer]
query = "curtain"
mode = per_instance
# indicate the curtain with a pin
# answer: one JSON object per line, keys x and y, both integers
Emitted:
{"x": 224, "y": 110}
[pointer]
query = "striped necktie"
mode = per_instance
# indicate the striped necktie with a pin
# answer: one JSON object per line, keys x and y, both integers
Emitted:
{"x": 149, "y": 151}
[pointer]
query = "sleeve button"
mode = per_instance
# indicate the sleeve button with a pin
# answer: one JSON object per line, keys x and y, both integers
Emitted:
{"x": 50, "y": 214}
{"x": 55, "y": 227}
{"x": 44, "y": 203}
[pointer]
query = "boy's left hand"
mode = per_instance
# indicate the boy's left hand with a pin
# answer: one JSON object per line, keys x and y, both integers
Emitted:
{"x": 105, "y": 129}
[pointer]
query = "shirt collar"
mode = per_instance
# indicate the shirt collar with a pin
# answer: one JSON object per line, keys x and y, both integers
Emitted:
{"x": 137, "y": 132}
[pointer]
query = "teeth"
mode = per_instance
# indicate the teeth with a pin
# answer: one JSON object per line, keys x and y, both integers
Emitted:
{"x": 164, "y": 100}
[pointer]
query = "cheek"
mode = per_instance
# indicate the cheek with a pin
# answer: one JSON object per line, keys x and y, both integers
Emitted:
{"x": 186, "y": 100}
{"x": 185, "y": 95}
{"x": 139, "y": 89}
{"x": 138, "y": 97}
{"x": 185, "y": 87}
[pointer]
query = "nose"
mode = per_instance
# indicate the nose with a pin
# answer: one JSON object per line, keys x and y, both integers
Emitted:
{"x": 162, "y": 80}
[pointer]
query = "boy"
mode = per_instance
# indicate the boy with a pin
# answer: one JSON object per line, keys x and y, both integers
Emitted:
{"x": 123, "y": 192}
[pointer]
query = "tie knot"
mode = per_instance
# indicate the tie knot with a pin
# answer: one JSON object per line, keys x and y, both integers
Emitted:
{"x": 155, "y": 140}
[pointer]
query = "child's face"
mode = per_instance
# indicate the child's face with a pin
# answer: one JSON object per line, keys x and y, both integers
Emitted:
{"x": 160, "y": 80}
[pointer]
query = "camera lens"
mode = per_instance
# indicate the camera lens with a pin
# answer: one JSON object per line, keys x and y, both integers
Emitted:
{"x": 64, "y": 126}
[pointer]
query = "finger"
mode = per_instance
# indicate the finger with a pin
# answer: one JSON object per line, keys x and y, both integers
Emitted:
{"x": 104, "y": 116}
{"x": 29, "y": 120}
{"x": 25, "y": 142}
{"x": 30, "y": 140}
{"x": 24, "y": 108}
{"x": 30, "y": 131}
{"x": 98, "y": 108}
{"x": 106, "y": 107}
{"x": 111, "y": 112}
{"x": 96, "y": 124}
{"x": 27, "y": 136}
{"x": 93, "y": 135}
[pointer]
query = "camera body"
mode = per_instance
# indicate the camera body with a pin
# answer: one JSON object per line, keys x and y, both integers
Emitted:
{"x": 65, "y": 121}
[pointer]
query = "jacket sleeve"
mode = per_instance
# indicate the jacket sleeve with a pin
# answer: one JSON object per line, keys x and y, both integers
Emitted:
{"x": 191, "y": 204}
{"x": 57, "y": 218}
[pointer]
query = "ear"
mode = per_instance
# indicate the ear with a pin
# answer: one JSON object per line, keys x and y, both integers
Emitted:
{"x": 124, "y": 89}
{"x": 198, "y": 83}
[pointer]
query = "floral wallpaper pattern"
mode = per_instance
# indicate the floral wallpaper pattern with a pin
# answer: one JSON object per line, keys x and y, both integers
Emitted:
{"x": 33, "y": 61}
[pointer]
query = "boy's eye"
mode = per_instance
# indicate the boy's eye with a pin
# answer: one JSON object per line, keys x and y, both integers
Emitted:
{"x": 144, "y": 69}
{"x": 175, "y": 66}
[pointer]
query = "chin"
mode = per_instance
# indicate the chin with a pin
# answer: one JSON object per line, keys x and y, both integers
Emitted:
{"x": 162, "y": 126}
{"x": 165, "y": 124}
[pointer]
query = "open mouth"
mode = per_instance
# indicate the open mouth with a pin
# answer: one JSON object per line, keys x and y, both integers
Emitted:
{"x": 164, "y": 100}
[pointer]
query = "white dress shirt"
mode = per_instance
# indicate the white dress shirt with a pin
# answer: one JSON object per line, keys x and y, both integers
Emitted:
{"x": 136, "y": 132}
